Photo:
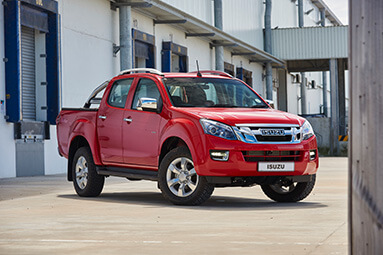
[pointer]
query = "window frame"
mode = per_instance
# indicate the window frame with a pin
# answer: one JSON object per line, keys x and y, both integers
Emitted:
{"x": 159, "y": 101}
{"x": 112, "y": 89}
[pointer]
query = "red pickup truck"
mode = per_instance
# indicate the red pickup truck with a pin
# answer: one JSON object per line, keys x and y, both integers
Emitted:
{"x": 191, "y": 132}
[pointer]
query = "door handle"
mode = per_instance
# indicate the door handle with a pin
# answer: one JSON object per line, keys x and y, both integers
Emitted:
{"x": 128, "y": 120}
{"x": 102, "y": 117}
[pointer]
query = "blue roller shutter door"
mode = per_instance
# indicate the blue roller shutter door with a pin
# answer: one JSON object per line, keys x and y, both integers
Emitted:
{"x": 28, "y": 74}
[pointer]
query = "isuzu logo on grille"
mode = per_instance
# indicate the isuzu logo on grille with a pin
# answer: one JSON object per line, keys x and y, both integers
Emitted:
{"x": 272, "y": 132}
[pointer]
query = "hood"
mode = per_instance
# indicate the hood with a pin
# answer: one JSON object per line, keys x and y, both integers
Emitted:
{"x": 233, "y": 116}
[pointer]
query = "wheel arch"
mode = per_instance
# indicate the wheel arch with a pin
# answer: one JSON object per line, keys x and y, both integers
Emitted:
{"x": 77, "y": 142}
{"x": 184, "y": 132}
{"x": 169, "y": 144}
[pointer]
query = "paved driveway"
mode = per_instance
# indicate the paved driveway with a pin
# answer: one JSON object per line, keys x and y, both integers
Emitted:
{"x": 42, "y": 215}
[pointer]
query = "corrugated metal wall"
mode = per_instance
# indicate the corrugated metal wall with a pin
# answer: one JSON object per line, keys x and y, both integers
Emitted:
{"x": 310, "y": 43}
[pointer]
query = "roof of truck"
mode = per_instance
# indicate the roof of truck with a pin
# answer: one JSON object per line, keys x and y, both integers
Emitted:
{"x": 203, "y": 73}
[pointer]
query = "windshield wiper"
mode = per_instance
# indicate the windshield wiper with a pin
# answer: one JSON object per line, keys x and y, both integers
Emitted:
{"x": 224, "y": 105}
{"x": 259, "y": 106}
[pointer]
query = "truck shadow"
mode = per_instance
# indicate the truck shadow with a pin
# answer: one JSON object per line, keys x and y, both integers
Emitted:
{"x": 214, "y": 203}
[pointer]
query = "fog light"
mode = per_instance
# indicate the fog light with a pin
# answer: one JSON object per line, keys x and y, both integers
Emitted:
{"x": 313, "y": 154}
{"x": 219, "y": 155}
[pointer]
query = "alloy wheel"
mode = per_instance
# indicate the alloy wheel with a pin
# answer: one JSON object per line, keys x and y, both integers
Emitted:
{"x": 81, "y": 172}
{"x": 181, "y": 177}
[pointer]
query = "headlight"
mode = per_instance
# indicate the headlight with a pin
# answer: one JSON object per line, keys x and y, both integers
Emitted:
{"x": 307, "y": 130}
{"x": 215, "y": 128}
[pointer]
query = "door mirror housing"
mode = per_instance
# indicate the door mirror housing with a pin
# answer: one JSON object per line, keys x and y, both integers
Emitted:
{"x": 95, "y": 100}
{"x": 147, "y": 104}
{"x": 271, "y": 103}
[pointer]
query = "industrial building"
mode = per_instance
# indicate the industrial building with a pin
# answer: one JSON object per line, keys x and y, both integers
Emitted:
{"x": 54, "y": 53}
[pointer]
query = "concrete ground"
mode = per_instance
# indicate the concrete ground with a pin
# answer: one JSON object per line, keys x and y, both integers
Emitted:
{"x": 43, "y": 215}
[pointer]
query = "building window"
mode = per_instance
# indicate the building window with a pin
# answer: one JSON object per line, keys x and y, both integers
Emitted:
{"x": 245, "y": 75}
{"x": 229, "y": 68}
{"x": 174, "y": 58}
{"x": 143, "y": 49}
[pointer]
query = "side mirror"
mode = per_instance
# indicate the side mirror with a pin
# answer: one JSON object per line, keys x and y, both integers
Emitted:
{"x": 271, "y": 103}
{"x": 147, "y": 104}
{"x": 95, "y": 100}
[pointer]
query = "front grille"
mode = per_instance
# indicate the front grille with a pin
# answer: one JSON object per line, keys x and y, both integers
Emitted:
{"x": 268, "y": 133}
{"x": 257, "y": 156}
{"x": 261, "y": 138}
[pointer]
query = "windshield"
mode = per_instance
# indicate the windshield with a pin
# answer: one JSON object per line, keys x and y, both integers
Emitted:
{"x": 210, "y": 92}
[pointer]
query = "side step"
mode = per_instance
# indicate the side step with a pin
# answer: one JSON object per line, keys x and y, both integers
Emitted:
{"x": 128, "y": 173}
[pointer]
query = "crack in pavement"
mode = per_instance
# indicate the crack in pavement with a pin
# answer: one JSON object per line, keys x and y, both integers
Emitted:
{"x": 330, "y": 235}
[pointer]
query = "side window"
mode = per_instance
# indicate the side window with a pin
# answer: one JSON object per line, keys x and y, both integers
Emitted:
{"x": 146, "y": 88}
{"x": 119, "y": 93}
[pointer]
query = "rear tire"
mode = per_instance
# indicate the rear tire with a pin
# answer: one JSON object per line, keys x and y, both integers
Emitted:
{"x": 288, "y": 191}
{"x": 86, "y": 181}
{"x": 178, "y": 180}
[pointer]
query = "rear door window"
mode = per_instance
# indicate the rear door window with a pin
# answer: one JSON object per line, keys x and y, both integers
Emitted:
{"x": 119, "y": 93}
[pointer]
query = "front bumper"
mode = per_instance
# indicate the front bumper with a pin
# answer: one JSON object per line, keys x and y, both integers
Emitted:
{"x": 237, "y": 166}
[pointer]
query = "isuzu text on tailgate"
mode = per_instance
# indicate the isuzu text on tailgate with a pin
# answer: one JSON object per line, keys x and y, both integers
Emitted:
{"x": 190, "y": 132}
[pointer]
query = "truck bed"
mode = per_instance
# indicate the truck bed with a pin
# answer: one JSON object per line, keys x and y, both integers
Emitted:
{"x": 72, "y": 122}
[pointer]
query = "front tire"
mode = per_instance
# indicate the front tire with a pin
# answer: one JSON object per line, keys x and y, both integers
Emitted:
{"x": 86, "y": 181}
{"x": 287, "y": 191}
{"x": 178, "y": 180}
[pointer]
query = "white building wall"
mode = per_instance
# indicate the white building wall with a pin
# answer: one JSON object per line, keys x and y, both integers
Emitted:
{"x": 311, "y": 19}
{"x": 7, "y": 144}
{"x": 88, "y": 30}
{"x": 87, "y": 39}
{"x": 314, "y": 96}
{"x": 198, "y": 49}
{"x": 244, "y": 20}
{"x": 141, "y": 23}
{"x": 259, "y": 84}
{"x": 54, "y": 164}
{"x": 235, "y": 14}
{"x": 201, "y": 9}
{"x": 293, "y": 95}
{"x": 255, "y": 68}
{"x": 284, "y": 14}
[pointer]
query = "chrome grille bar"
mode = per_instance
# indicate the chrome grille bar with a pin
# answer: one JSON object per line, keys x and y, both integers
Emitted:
{"x": 268, "y": 133}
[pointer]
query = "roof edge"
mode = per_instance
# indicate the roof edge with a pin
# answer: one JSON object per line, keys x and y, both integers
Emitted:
{"x": 329, "y": 13}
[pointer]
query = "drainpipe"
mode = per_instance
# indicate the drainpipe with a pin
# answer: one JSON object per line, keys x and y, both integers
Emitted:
{"x": 125, "y": 13}
{"x": 300, "y": 13}
{"x": 303, "y": 76}
{"x": 268, "y": 49}
{"x": 324, "y": 75}
{"x": 218, "y": 23}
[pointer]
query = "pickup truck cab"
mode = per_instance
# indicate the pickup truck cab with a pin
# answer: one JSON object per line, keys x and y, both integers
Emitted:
{"x": 191, "y": 132}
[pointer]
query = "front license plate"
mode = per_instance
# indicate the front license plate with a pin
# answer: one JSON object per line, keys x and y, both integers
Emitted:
{"x": 276, "y": 167}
